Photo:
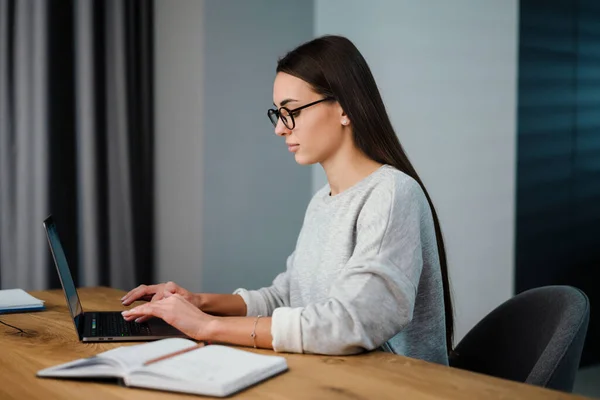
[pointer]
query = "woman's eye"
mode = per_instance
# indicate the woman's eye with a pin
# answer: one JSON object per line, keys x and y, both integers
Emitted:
{"x": 295, "y": 114}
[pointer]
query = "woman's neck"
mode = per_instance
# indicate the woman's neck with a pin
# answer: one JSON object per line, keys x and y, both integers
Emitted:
{"x": 346, "y": 169}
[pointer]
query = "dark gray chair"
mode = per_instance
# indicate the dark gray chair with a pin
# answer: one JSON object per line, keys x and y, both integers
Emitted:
{"x": 535, "y": 337}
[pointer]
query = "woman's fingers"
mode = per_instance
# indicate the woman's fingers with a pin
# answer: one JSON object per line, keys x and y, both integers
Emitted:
{"x": 143, "y": 319}
{"x": 145, "y": 310}
{"x": 158, "y": 295}
{"x": 174, "y": 310}
{"x": 133, "y": 291}
{"x": 142, "y": 292}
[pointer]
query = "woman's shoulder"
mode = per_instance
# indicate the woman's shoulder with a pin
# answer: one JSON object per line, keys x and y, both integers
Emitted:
{"x": 384, "y": 187}
{"x": 396, "y": 196}
{"x": 398, "y": 186}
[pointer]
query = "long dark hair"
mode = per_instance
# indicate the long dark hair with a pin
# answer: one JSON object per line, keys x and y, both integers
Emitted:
{"x": 334, "y": 67}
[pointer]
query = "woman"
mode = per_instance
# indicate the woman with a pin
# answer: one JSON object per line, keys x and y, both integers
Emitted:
{"x": 369, "y": 269}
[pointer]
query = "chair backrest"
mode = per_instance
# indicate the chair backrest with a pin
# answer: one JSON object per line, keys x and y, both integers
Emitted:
{"x": 535, "y": 337}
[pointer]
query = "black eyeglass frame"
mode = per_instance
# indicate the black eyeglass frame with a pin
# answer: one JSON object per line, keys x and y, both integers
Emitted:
{"x": 277, "y": 112}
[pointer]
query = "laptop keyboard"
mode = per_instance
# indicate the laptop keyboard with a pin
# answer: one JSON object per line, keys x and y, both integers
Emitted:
{"x": 114, "y": 325}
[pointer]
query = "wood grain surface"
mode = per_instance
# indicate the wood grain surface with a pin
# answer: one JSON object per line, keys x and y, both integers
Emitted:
{"x": 50, "y": 339}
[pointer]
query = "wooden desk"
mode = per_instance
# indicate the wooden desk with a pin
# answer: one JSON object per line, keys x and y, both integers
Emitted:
{"x": 51, "y": 340}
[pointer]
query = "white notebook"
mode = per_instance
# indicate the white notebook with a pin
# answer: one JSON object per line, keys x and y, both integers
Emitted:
{"x": 212, "y": 370}
{"x": 18, "y": 300}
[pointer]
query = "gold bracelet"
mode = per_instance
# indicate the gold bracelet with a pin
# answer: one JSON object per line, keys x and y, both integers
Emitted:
{"x": 253, "y": 334}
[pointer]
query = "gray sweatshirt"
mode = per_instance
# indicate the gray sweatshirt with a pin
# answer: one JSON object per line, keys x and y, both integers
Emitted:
{"x": 365, "y": 274}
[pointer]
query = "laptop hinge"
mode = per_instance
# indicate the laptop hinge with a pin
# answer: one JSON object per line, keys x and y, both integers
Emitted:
{"x": 81, "y": 325}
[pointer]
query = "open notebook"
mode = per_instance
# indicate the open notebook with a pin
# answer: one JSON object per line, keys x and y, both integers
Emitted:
{"x": 212, "y": 370}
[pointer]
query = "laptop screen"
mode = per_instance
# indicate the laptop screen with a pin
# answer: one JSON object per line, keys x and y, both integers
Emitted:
{"x": 64, "y": 273}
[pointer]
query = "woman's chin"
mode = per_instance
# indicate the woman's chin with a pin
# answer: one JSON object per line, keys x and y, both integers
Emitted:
{"x": 303, "y": 159}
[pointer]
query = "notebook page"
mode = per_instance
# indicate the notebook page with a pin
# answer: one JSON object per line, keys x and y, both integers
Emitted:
{"x": 130, "y": 357}
{"x": 217, "y": 365}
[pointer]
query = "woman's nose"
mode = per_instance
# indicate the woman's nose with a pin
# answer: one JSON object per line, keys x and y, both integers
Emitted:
{"x": 281, "y": 129}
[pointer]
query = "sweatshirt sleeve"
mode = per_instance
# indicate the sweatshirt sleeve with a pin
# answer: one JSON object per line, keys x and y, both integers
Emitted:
{"x": 373, "y": 298}
{"x": 263, "y": 301}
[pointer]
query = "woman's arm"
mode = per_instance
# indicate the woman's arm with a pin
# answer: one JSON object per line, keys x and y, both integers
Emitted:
{"x": 243, "y": 302}
{"x": 238, "y": 331}
{"x": 189, "y": 319}
{"x": 230, "y": 305}
{"x": 216, "y": 304}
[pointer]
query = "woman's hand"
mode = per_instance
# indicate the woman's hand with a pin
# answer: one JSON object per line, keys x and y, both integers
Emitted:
{"x": 189, "y": 319}
{"x": 159, "y": 292}
{"x": 177, "y": 312}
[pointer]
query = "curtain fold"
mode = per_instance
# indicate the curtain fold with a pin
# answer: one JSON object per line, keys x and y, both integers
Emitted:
{"x": 85, "y": 86}
{"x": 76, "y": 140}
{"x": 119, "y": 196}
{"x": 23, "y": 142}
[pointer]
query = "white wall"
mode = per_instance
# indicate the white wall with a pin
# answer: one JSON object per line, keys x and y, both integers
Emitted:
{"x": 229, "y": 197}
{"x": 255, "y": 194}
{"x": 179, "y": 107}
{"x": 447, "y": 71}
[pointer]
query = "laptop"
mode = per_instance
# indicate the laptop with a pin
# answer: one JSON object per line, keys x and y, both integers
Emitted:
{"x": 99, "y": 326}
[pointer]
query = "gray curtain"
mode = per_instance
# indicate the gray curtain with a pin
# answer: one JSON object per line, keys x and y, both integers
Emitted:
{"x": 23, "y": 144}
{"x": 120, "y": 220}
{"x": 76, "y": 140}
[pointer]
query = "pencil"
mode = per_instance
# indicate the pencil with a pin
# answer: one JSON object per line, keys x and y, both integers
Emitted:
{"x": 176, "y": 353}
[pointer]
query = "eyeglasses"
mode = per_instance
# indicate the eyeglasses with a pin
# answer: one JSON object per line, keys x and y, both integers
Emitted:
{"x": 287, "y": 115}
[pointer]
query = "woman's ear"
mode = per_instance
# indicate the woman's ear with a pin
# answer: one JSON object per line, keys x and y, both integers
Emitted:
{"x": 344, "y": 120}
